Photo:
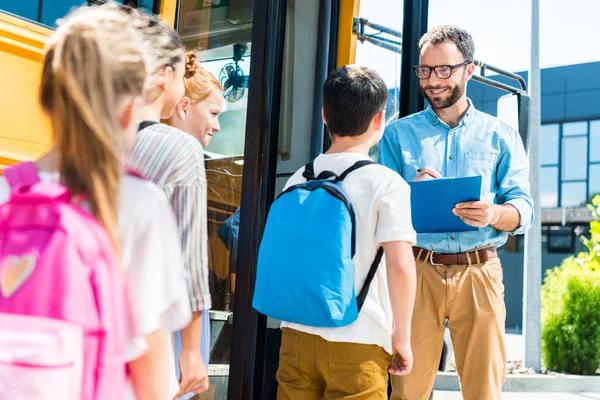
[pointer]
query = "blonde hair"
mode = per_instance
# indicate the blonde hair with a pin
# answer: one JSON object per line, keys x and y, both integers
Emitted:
{"x": 91, "y": 64}
{"x": 198, "y": 82}
{"x": 163, "y": 48}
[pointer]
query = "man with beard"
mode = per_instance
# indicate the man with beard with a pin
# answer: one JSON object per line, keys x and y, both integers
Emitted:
{"x": 458, "y": 273}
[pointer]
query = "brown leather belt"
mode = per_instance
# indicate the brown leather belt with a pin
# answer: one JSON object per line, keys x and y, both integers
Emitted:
{"x": 476, "y": 256}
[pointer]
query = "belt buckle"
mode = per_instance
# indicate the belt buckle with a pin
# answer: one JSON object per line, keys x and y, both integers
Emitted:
{"x": 431, "y": 259}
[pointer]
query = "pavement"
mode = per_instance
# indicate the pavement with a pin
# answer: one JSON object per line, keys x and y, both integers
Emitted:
{"x": 527, "y": 387}
{"x": 443, "y": 395}
{"x": 515, "y": 347}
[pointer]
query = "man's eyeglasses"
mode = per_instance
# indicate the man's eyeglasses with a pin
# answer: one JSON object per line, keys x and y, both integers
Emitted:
{"x": 441, "y": 71}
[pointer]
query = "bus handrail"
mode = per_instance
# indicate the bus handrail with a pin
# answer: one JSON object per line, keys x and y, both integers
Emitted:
{"x": 484, "y": 67}
{"x": 358, "y": 27}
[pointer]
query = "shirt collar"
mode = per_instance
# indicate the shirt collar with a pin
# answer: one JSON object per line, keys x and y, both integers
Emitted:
{"x": 466, "y": 120}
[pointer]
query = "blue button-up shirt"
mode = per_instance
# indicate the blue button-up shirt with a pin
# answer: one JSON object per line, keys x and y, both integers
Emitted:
{"x": 479, "y": 145}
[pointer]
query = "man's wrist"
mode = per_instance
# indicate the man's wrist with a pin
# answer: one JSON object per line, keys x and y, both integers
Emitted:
{"x": 496, "y": 213}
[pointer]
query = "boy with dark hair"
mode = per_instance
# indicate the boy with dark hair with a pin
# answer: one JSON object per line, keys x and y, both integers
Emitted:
{"x": 354, "y": 360}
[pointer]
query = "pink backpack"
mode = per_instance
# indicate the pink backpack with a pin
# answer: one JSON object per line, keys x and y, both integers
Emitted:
{"x": 57, "y": 262}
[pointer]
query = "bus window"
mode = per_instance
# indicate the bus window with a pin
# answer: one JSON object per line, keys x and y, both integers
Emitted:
{"x": 385, "y": 61}
{"x": 220, "y": 32}
{"x": 48, "y": 12}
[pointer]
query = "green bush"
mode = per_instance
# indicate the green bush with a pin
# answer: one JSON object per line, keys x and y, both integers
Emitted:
{"x": 571, "y": 309}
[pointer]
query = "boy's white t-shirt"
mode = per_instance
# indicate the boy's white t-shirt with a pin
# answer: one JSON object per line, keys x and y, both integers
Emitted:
{"x": 381, "y": 202}
{"x": 153, "y": 266}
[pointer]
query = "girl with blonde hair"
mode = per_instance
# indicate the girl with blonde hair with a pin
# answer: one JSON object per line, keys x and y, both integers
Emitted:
{"x": 94, "y": 74}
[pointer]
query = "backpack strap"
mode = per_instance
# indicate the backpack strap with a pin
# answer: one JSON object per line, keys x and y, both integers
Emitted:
{"x": 354, "y": 167}
{"x": 21, "y": 174}
{"x": 309, "y": 171}
{"x": 144, "y": 124}
{"x": 360, "y": 299}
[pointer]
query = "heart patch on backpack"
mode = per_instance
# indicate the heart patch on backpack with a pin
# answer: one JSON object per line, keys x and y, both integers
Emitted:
{"x": 14, "y": 271}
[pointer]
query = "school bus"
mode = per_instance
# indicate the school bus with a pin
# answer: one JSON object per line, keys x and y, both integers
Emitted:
{"x": 272, "y": 57}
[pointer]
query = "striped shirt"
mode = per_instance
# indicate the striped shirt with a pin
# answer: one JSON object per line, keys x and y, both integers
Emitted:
{"x": 174, "y": 160}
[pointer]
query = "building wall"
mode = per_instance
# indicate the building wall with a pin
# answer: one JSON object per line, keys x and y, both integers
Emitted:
{"x": 569, "y": 93}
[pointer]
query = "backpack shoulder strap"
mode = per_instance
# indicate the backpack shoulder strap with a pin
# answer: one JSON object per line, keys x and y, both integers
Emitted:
{"x": 21, "y": 174}
{"x": 144, "y": 124}
{"x": 360, "y": 299}
{"x": 309, "y": 171}
{"x": 354, "y": 167}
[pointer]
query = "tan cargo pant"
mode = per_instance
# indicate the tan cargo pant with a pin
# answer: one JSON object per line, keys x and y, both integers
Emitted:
{"x": 471, "y": 298}
{"x": 311, "y": 368}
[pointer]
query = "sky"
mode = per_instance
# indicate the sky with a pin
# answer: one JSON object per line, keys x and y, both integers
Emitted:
{"x": 501, "y": 29}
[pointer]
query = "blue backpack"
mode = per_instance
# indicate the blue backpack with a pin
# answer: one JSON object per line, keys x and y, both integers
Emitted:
{"x": 305, "y": 272}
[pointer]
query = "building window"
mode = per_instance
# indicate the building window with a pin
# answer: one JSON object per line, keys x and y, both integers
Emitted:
{"x": 595, "y": 141}
{"x": 574, "y": 158}
{"x": 594, "y": 187}
{"x": 560, "y": 239}
{"x": 575, "y": 128}
{"x": 573, "y": 194}
{"x": 570, "y": 174}
{"x": 564, "y": 239}
{"x": 549, "y": 187}
{"x": 549, "y": 151}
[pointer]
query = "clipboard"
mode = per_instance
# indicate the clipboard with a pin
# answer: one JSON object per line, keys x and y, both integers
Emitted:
{"x": 432, "y": 201}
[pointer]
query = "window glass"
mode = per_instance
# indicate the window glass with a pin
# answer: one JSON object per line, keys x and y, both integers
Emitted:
{"x": 52, "y": 11}
{"x": 549, "y": 189}
{"x": 573, "y": 194}
{"x": 549, "y": 144}
{"x": 49, "y": 11}
{"x": 220, "y": 31}
{"x": 574, "y": 158}
{"x": 560, "y": 239}
{"x": 594, "y": 180}
{"x": 575, "y": 128}
{"x": 386, "y": 62}
{"x": 595, "y": 141}
{"x": 23, "y": 8}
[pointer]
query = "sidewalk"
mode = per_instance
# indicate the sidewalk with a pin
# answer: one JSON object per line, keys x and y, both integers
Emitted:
{"x": 443, "y": 395}
{"x": 526, "y": 386}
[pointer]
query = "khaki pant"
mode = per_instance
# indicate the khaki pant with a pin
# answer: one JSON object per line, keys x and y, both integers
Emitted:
{"x": 471, "y": 298}
{"x": 311, "y": 368}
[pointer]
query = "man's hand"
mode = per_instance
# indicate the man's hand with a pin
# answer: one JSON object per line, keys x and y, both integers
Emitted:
{"x": 402, "y": 360}
{"x": 194, "y": 375}
{"x": 427, "y": 173}
{"x": 477, "y": 213}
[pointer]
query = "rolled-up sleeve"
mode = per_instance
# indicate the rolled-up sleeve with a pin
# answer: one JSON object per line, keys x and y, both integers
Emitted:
{"x": 513, "y": 181}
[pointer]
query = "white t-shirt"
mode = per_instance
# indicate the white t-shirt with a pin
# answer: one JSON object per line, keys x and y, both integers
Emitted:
{"x": 152, "y": 262}
{"x": 381, "y": 202}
